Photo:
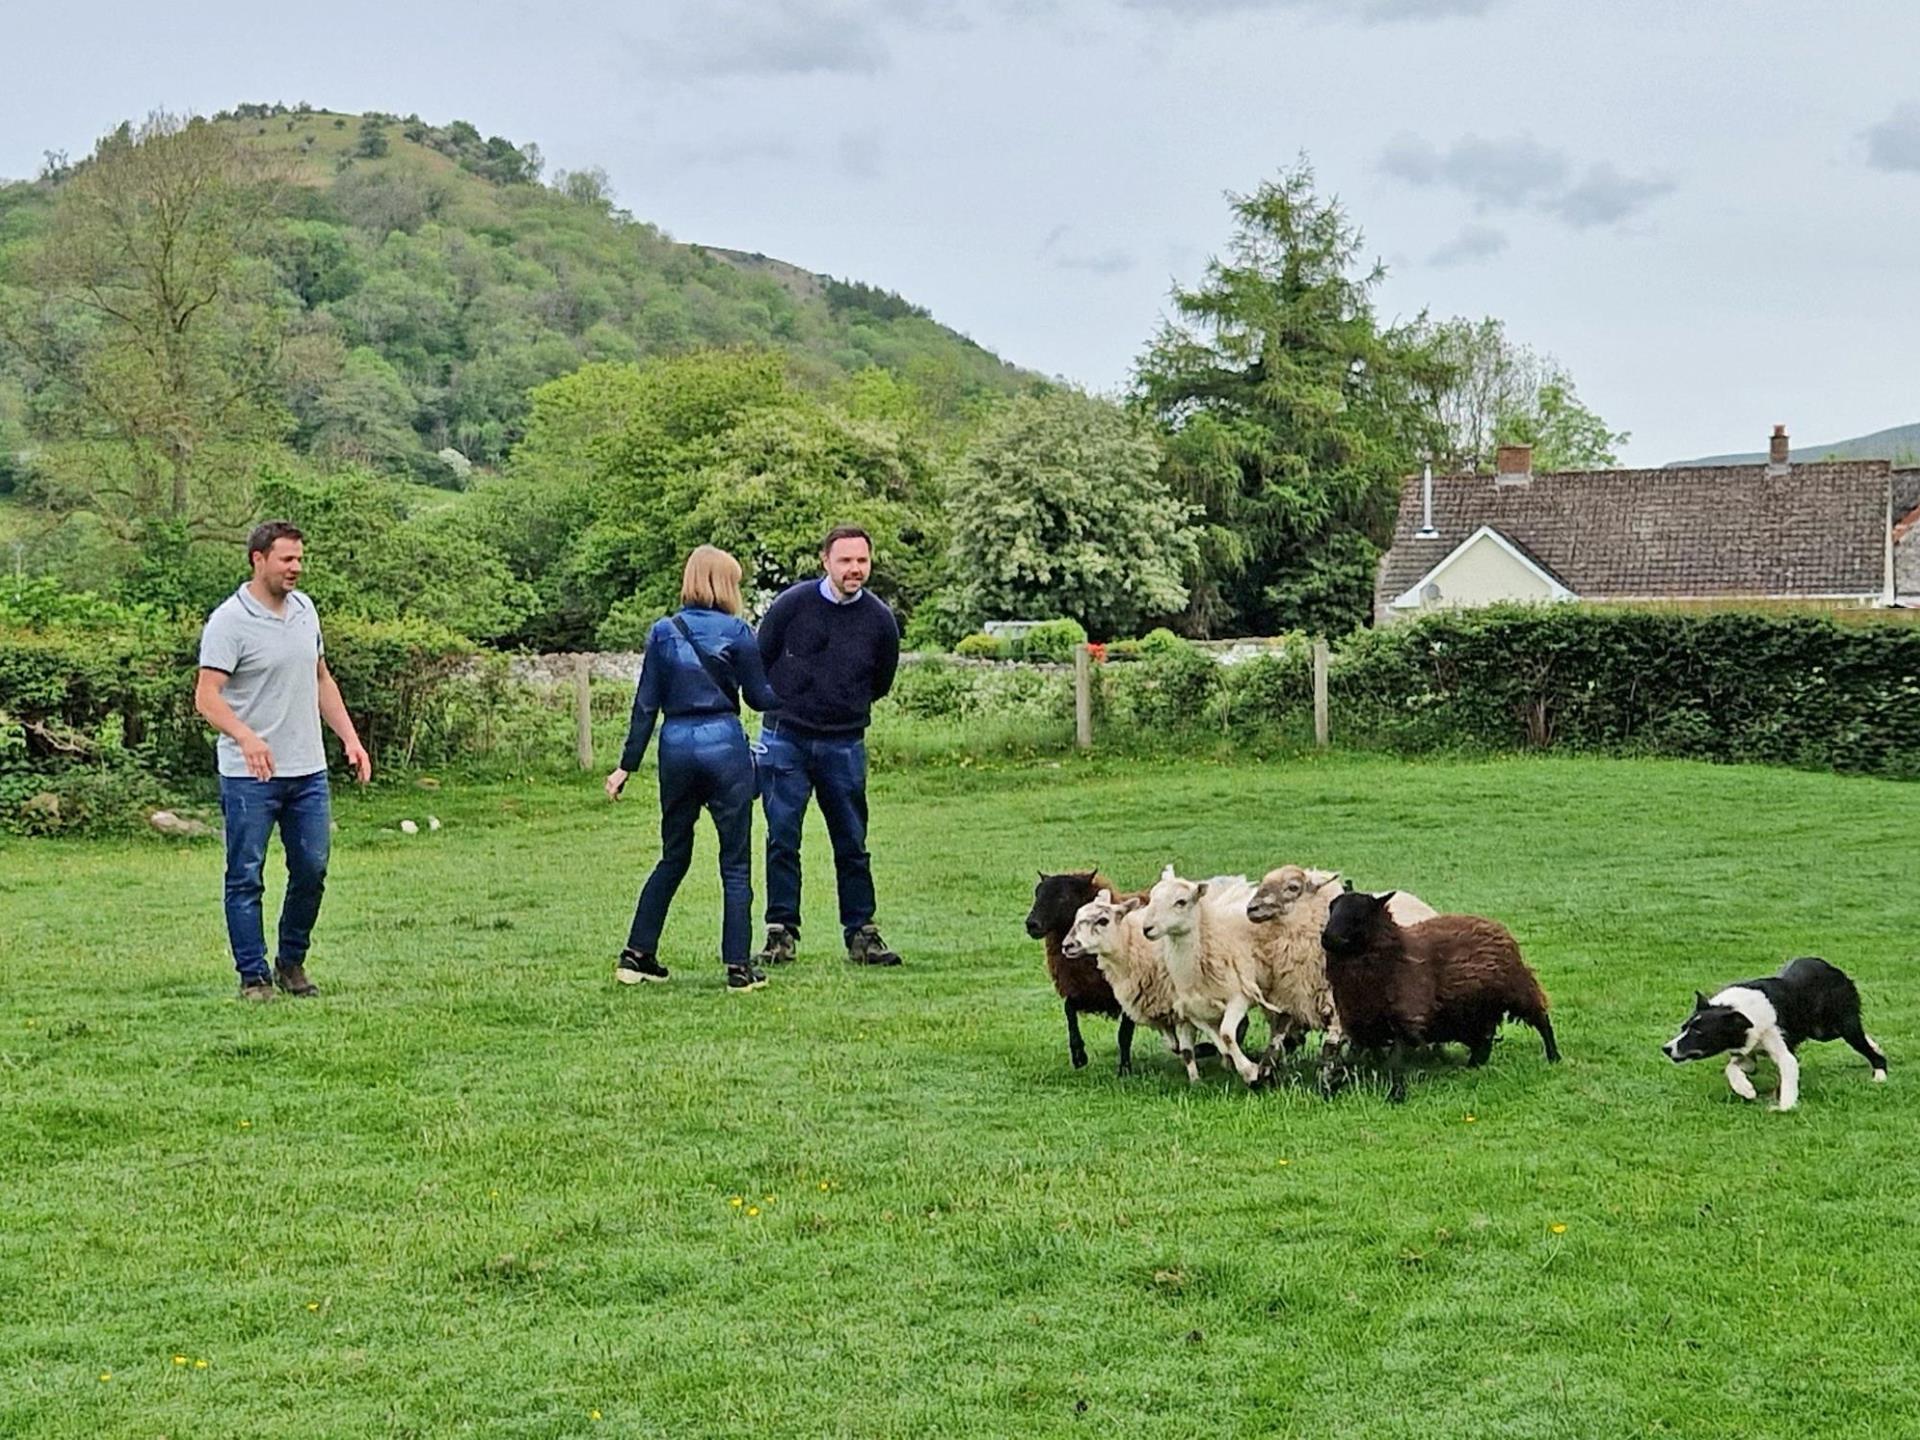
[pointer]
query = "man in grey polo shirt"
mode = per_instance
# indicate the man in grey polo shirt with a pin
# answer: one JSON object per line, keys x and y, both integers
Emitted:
{"x": 264, "y": 686}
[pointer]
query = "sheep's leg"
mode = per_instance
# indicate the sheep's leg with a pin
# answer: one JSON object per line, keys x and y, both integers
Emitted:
{"x": 1397, "y": 1072}
{"x": 1281, "y": 1037}
{"x": 1480, "y": 1050}
{"x": 1545, "y": 1027}
{"x": 1126, "y": 1044}
{"x": 1076, "y": 1047}
{"x": 1183, "y": 1047}
{"x": 1232, "y": 1025}
{"x": 1737, "y": 1066}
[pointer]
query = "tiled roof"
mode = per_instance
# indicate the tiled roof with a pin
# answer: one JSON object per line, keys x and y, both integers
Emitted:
{"x": 1820, "y": 529}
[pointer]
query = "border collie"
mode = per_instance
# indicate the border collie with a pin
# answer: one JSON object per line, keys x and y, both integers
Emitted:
{"x": 1808, "y": 1000}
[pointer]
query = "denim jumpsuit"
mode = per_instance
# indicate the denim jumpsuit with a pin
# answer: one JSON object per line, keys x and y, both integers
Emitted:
{"x": 704, "y": 761}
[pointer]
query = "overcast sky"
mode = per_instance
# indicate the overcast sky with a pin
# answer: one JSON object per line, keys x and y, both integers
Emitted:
{"x": 1708, "y": 211}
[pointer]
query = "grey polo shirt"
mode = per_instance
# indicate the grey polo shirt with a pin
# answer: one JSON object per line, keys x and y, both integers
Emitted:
{"x": 272, "y": 664}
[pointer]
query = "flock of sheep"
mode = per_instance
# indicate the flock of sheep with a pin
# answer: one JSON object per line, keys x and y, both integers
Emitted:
{"x": 1194, "y": 958}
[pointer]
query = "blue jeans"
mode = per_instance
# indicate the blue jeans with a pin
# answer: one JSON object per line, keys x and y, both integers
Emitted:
{"x": 835, "y": 771}
{"x": 704, "y": 763}
{"x": 301, "y": 806}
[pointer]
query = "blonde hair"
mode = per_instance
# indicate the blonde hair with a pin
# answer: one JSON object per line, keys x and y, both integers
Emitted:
{"x": 711, "y": 580}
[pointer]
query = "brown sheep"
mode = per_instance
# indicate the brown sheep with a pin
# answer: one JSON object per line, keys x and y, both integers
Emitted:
{"x": 1077, "y": 978}
{"x": 1451, "y": 978}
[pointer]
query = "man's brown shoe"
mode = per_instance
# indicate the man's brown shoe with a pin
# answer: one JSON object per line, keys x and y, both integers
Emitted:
{"x": 293, "y": 979}
{"x": 261, "y": 989}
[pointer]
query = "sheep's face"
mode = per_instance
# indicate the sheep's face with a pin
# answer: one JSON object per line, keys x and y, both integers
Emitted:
{"x": 1710, "y": 1030}
{"x": 1172, "y": 907}
{"x": 1056, "y": 900}
{"x": 1353, "y": 920}
{"x": 1284, "y": 888}
{"x": 1096, "y": 928}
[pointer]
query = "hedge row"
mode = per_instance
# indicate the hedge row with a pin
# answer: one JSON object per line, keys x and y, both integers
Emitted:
{"x": 101, "y": 704}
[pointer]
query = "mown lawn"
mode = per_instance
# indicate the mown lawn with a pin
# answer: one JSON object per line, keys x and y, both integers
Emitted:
{"x": 478, "y": 1189}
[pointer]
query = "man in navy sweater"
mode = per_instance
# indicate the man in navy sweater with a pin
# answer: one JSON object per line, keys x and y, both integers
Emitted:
{"x": 831, "y": 650}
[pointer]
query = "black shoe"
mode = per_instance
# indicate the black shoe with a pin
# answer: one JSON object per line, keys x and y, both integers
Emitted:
{"x": 745, "y": 977}
{"x": 293, "y": 979}
{"x": 867, "y": 948}
{"x": 783, "y": 943}
{"x": 636, "y": 969}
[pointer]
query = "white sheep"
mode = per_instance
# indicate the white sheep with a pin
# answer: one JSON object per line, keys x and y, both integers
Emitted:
{"x": 1207, "y": 944}
{"x": 1288, "y": 911}
{"x": 1109, "y": 932}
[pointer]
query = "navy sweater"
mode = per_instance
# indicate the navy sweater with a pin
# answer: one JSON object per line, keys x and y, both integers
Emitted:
{"x": 828, "y": 662}
{"x": 674, "y": 682}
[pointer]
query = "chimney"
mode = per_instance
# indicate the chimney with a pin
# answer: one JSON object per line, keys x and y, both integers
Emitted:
{"x": 1426, "y": 530}
{"x": 1513, "y": 465}
{"x": 1777, "y": 452}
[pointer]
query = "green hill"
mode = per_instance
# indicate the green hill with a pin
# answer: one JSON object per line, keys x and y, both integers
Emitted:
{"x": 1900, "y": 444}
{"x": 425, "y": 279}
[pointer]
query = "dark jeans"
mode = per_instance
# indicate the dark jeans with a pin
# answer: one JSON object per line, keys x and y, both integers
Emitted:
{"x": 300, "y": 805}
{"x": 834, "y": 771}
{"x": 704, "y": 762}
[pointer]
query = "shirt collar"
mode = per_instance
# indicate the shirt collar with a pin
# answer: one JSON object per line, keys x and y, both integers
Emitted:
{"x": 253, "y": 607}
{"x": 832, "y": 596}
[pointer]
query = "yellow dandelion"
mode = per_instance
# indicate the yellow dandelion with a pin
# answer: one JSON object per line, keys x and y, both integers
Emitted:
{"x": 493, "y": 1194}
{"x": 593, "y": 1414}
{"x": 1283, "y": 1162}
{"x": 736, "y": 1202}
{"x": 768, "y": 1199}
{"x": 105, "y": 1376}
{"x": 246, "y": 1124}
{"x": 179, "y": 1359}
{"x": 199, "y": 1364}
{"x": 1469, "y": 1119}
{"x": 825, "y": 1186}
{"x": 753, "y": 1209}
{"x": 1558, "y": 1229}
{"x": 313, "y": 1304}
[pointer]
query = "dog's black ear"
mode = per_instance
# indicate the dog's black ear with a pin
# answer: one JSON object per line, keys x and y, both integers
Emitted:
{"x": 1699, "y": 1001}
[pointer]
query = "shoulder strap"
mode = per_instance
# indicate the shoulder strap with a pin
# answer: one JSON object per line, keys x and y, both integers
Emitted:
{"x": 716, "y": 672}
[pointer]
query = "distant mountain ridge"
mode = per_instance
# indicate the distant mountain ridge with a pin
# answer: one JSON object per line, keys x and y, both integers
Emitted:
{"x": 1900, "y": 444}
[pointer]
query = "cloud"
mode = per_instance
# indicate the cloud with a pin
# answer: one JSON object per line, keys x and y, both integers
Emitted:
{"x": 772, "y": 38}
{"x": 861, "y": 154}
{"x": 1894, "y": 144}
{"x": 1475, "y": 242}
{"x": 725, "y": 152}
{"x": 1522, "y": 174}
{"x": 1380, "y": 12}
{"x": 1606, "y": 197}
{"x": 1058, "y": 251}
{"x": 1496, "y": 173}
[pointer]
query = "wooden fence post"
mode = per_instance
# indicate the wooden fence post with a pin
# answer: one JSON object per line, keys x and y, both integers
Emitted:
{"x": 1082, "y": 697}
{"x": 583, "y": 709}
{"x": 1322, "y": 725}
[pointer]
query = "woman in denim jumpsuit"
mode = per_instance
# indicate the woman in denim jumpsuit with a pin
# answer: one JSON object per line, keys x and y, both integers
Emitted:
{"x": 692, "y": 682}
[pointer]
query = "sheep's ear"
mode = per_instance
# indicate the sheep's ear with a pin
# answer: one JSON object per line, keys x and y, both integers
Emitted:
{"x": 1129, "y": 905}
{"x": 1384, "y": 898}
{"x": 1199, "y": 889}
{"x": 1699, "y": 1001}
{"x": 1105, "y": 897}
{"x": 1333, "y": 879}
{"x": 1167, "y": 874}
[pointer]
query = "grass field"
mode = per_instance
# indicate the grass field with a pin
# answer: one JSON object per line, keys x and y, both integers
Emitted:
{"x": 477, "y": 1189}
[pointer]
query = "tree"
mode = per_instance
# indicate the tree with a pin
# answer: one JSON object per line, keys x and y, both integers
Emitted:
{"x": 1059, "y": 509}
{"x": 1290, "y": 415}
{"x": 151, "y": 332}
{"x": 1489, "y": 391}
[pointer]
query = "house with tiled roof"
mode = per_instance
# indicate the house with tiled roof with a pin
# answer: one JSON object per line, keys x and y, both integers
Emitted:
{"x": 1825, "y": 533}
